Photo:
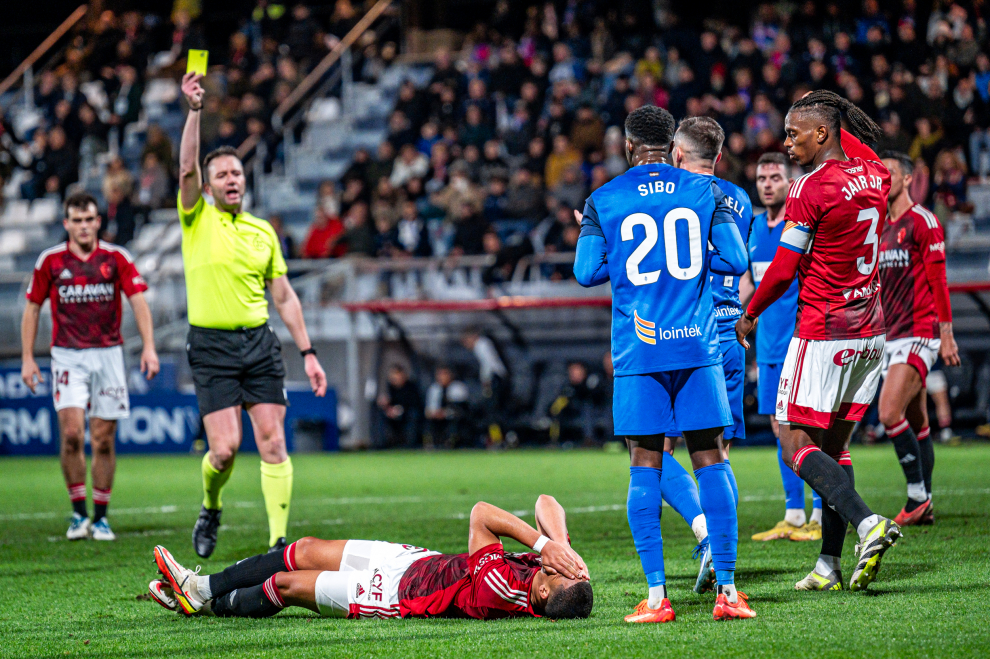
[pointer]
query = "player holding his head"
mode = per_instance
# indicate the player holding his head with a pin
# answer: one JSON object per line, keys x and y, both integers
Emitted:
{"x": 919, "y": 328}
{"x": 230, "y": 257}
{"x": 696, "y": 148}
{"x": 370, "y": 579}
{"x": 655, "y": 232}
{"x": 834, "y": 216}
{"x": 84, "y": 278}
{"x": 773, "y": 334}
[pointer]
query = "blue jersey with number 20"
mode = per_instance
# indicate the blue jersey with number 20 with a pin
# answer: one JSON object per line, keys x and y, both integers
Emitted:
{"x": 725, "y": 288}
{"x": 656, "y": 221}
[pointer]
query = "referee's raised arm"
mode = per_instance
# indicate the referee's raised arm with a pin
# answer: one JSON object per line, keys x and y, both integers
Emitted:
{"x": 190, "y": 177}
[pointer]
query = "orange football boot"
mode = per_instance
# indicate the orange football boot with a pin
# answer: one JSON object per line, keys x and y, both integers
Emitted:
{"x": 726, "y": 610}
{"x": 643, "y": 613}
{"x": 914, "y": 517}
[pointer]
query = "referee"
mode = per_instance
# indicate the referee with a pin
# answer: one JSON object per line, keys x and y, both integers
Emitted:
{"x": 229, "y": 257}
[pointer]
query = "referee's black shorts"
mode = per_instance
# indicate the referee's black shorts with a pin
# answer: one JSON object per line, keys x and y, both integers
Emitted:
{"x": 235, "y": 367}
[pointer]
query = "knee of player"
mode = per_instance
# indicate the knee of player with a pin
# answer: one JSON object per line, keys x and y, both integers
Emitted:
{"x": 73, "y": 437}
{"x": 303, "y": 548}
{"x": 890, "y": 416}
{"x": 222, "y": 456}
{"x": 102, "y": 445}
{"x": 288, "y": 586}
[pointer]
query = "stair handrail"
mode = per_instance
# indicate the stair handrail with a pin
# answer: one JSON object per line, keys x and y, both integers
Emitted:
{"x": 43, "y": 48}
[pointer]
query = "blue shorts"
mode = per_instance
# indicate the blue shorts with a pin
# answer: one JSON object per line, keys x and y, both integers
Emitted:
{"x": 688, "y": 399}
{"x": 767, "y": 387}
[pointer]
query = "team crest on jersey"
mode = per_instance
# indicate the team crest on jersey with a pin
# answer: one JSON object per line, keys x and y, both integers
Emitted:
{"x": 66, "y": 274}
{"x": 900, "y": 235}
{"x": 105, "y": 270}
{"x": 645, "y": 330}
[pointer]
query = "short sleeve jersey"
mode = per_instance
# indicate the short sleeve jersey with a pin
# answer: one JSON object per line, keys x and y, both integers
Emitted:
{"x": 656, "y": 221}
{"x": 909, "y": 243}
{"x": 85, "y": 295}
{"x": 227, "y": 260}
{"x": 487, "y": 584}
{"x": 834, "y": 216}
{"x": 776, "y": 326}
{"x": 725, "y": 288}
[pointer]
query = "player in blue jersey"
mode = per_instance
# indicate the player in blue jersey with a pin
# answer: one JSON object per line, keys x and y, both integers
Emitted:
{"x": 697, "y": 147}
{"x": 773, "y": 335}
{"x": 665, "y": 348}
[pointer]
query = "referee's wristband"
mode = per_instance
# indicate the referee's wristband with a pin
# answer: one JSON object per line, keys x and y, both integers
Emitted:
{"x": 308, "y": 351}
{"x": 540, "y": 543}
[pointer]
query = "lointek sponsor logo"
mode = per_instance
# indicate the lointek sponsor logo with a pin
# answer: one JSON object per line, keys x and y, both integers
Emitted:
{"x": 684, "y": 332}
{"x": 845, "y": 357}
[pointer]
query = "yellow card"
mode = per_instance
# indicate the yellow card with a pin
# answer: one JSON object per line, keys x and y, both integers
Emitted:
{"x": 196, "y": 61}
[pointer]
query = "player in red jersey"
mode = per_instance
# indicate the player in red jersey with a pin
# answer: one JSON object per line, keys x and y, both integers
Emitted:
{"x": 831, "y": 239}
{"x": 84, "y": 278}
{"x": 919, "y": 328}
{"x": 367, "y": 579}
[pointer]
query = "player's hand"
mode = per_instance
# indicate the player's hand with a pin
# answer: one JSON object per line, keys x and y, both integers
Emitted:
{"x": 744, "y": 326}
{"x": 31, "y": 374}
{"x": 949, "y": 351}
{"x": 317, "y": 378}
{"x": 563, "y": 559}
{"x": 192, "y": 90}
{"x": 578, "y": 216}
{"x": 149, "y": 362}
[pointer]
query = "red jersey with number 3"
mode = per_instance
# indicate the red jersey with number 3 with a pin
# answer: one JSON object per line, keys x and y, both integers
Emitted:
{"x": 85, "y": 295}
{"x": 911, "y": 244}
{"x": 486, "y": 585}
{"x": 834, "y": 216}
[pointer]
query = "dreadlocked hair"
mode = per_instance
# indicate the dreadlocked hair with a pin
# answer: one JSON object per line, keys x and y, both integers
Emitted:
{"x": 832, "y": 108}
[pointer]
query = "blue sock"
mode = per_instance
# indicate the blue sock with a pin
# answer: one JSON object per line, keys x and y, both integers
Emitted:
{"x": 793, "y": 484}
{"x": 732, "y": 483}
{"x": 715, "y": 493}
{"x": 816, "y": 500}
{"x": 643, "y": 510}
{"x": 679, "y": 489}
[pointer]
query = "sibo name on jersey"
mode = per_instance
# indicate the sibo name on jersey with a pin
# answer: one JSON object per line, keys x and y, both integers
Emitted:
{"x": 75, "y": 293}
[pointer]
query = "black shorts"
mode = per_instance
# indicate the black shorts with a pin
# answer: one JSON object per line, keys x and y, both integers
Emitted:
{"x": 235, "y": 367}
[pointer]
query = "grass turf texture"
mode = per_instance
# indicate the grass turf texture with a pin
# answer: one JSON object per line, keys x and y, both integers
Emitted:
{"x": 81, "y": 598}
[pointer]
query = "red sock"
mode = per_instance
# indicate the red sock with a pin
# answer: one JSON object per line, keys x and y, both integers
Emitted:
{"x": 289, "y": 557}
{"x": 77, "y": 495}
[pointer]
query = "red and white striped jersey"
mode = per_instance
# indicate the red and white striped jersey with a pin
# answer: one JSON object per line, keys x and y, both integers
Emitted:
{"x": 834, "y": 217}
{"x": 487, "y": 584}
{"x": 912, "y": 270}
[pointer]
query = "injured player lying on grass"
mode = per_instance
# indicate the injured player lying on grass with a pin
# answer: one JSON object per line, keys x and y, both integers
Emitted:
{"x": 371, "y": 579}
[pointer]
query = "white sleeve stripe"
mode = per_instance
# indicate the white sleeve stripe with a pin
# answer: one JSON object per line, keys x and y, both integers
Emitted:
{"x": 930, "y": 218}
{"x": 117, "y": 248}
{"x": 505, "y": 584}
{"x": 799, "y": 184}
{"x": 45, "y": 254}
{"x": 518, "y": 601}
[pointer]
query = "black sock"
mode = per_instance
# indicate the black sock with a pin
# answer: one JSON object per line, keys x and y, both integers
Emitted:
{"x": 79, "y": 507}
{"x": 833, "y": 526}
{"x": 245, "y": 603}
{"x": 99, "y": 511}
{"x": 927, "y": 459}
{"x": 909, "y": 455}
{"x": 826, "y": 477}
{"x": 249, "y": 572}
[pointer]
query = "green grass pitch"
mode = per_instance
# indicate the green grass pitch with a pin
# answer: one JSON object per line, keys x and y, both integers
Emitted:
{"x": 81, "y": 599}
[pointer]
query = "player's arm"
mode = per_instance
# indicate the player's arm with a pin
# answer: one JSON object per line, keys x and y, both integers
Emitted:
{"x": 854, "y": 148}
{"x": 746, "y": 288}
{"x": 591, "y": 259}
{"x": 30, "y": 372}
{"x": 551, "y": 521}
{"x": 146, "y": 328}
{"x": 489, "y": 523}
{"x": 931, "y": 239}
{"x": 290, "y": 310}
{"x": 190, "y": 177}
{"x": 728, "y": 255}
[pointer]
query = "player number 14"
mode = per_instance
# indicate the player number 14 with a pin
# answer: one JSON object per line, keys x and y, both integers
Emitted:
{"x": 674, "y": 267}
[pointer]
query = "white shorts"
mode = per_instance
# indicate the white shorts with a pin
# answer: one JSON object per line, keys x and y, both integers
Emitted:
{"x": 367, "y": 585}
{"x": 825, "y": 381}
{"x": 92, "y": 379}
{"x": 914, "y": 351}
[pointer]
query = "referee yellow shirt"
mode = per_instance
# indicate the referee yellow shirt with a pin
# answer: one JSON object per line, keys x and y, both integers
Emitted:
{"x": 227, "y": 259}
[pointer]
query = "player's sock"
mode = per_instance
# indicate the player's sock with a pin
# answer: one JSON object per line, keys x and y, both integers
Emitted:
{"x": 276, "y": 486}
{"x": 643, "y": 510}
{"x": 261, "y": 601}
{"x": 657, "y": 595}
{"x": 827, "y": 564}
{"x": 793, "y": 491}
{"x": 729, "y": 590}
{"x": 732, "y": 482}
{"x": 249, "y": 572}
{"x": 77, "y": 495}
{"x": 909, "y": 455}
{"x": 101, "y": 501}
{"x": 927, "y": 457}
{"x": 816, "y": 506}
{"x": 825, "y": 476}
{"x": 719, "y": 505}
{"x": 681, "y": 492}
{"x": 833, "y": 526}
{"x": 213, "y": 482}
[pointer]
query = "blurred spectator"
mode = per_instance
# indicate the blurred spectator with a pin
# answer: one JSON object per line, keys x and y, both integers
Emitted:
{"x": 563, "y": 157}
{"x": 358, "y": 237}
{"x": 119, "y": 218}
{"x": 152, "y": 184}
{"x": 412, "y": 234}
{"x": 285, "y": 240}
{"x": 494, "y": 377}
{"x": 321, "y": 239}
{"x": 577, "y": 407}
{"x": 399, "y": 411}
{"x": 410, "y": 163}
{"x": 447, "y": 410}
{"x": 525, "y": 197}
